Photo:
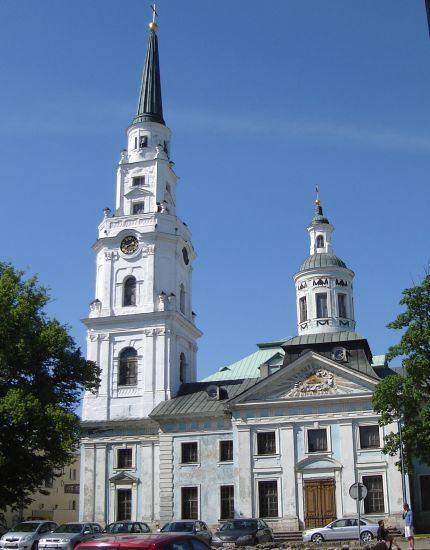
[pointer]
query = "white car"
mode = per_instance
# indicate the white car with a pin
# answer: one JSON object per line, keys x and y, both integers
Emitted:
{"x": 342, "y": 529}
{"x": 26, "y": 535}
{"x": 68, "y": 535}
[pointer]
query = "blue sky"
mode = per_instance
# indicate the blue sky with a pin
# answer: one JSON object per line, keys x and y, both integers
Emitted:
{"x": 265, "y": 101}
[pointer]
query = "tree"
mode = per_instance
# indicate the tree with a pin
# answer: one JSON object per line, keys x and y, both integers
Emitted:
{"x": 406, "y": 397}
{"x": 42, "y": 375}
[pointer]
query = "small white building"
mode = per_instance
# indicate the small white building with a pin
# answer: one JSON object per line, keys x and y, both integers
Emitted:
{"x": 282, "y": 434}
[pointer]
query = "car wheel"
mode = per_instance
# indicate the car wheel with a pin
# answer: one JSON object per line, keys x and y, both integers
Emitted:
{"x": 318, "y": 538}
{"x": 366, "y": 536}
{"x": 35, "y": 545}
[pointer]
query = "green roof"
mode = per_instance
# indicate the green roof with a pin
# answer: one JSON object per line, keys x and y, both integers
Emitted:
{"x": 322, "y": 260}
{"x": 248, "y": 366}
{"x": 323, "y": 338}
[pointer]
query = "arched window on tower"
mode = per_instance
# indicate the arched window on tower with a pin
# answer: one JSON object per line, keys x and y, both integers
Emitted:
{"x": 320, "y": 241}
{"x": 129, "y": 293}
{"x": 182, "y": 368}
{"x": 127, "y": 375}
{"x": 303, "y": 309}
{"x": 182, "y": 298}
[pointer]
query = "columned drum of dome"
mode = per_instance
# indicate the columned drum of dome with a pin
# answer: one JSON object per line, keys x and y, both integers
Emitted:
{"x": 324, "y": 284}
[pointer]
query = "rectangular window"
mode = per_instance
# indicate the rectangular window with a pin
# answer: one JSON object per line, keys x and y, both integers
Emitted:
{"x": 123, "y": 504}
{"x": 268, "y": 499}
{"x": 369, "y": 437}
{"x": 124, "y": 458}
{"x": 341, "y": 305}
{"x": 266, "y": 443}
{"x": 143, "y": 142}
{"x": 189, "y": 453}
{"x": 303, "y": 309}
{"x": 425, "y": 493}
{"x": 374, "y": 501}
{"x": 227, "y": 501}
{"x": 138, "y": 181}
{"x": 138, "y": 207}
{"x": 190, "y": 502}
{"x": 322, "y": 304}
{"x": 317, "y": 441}
{"x": 226, "y": 450}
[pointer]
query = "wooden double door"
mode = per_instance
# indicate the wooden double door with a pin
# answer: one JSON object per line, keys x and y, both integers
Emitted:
{"x": 320, "y": 502}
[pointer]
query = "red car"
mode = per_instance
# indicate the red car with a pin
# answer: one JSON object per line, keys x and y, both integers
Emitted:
{"x": 150, "y": 541}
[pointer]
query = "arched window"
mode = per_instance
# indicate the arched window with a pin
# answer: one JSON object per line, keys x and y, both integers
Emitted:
{"x": 182, "y": 299}
{"x": 182, "y": 368}
{"x": 127, "y": 367}
{"x": 129, "y": 294}
{"x": 303, "y": 309}
{"x": 320, "y": 241}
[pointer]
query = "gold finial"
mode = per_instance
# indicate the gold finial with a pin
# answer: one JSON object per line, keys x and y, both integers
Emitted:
{"x": 153, "y": 25}
{"x": 317, "y": 200}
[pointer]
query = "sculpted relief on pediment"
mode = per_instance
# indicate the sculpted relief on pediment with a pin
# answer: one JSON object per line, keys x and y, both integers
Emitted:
{"x": 320, "y": 382}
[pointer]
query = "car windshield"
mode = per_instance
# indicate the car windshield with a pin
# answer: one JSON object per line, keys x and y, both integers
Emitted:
{"x": 25, "y": 527}
{"x": 239, "y": 524}
{"x": 178, "y": 527}
{"x": 119, "y": 528}
{"x": 69, "y": 528}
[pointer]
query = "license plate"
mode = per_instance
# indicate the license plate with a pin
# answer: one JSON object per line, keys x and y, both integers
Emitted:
{"x": 229, "y": 544}
{"x": 11, "y": 545}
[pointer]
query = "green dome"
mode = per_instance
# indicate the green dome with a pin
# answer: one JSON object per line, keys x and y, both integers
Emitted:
{"x": 322, "y": 260}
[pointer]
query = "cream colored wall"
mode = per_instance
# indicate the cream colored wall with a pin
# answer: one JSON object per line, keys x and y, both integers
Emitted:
{"x": 60, "y": 505}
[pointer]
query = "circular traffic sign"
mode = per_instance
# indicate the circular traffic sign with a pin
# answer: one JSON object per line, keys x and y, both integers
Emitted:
{"x": 358, "y": 491}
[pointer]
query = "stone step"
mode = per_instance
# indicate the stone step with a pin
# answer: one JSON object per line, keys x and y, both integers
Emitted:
{"x": 281, "y": 536}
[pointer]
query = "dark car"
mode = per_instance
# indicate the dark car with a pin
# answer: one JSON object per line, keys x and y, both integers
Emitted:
{"x": 242, "y": 532}
{"x": 68, "y": 535}
{"x": 195, "y": 527}
{"x": 126, "y": 527}
{"x": 150, "y": 541}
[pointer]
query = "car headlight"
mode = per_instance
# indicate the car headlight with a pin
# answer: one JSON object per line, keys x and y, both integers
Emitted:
{"x": 64, "y": 540}
{"x": 244, "y": 538}
{"x": 216, "y": 537}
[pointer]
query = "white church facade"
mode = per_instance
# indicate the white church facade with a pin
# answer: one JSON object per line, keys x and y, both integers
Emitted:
{"x": 281, "y": 434}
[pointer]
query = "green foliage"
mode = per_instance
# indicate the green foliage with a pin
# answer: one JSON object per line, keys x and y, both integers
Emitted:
{"x": 408, "y": 396}
{"x": 42, "y": 376}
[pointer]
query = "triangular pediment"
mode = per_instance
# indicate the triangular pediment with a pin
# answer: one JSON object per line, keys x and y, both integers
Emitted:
{"x": 123, "y": 478}
{"x": 310, "y": 376}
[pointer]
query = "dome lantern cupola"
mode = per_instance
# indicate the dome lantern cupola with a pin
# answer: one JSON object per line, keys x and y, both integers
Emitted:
{"x": 323, "y": 283}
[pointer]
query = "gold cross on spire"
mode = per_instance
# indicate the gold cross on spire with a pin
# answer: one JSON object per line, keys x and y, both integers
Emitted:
{"x": 317, "y": 200}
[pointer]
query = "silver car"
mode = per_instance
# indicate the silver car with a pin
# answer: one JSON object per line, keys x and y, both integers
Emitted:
{"x": 26, "y": 535}
{"x": 68, "y": 535}
{"x": 342, "y": 529}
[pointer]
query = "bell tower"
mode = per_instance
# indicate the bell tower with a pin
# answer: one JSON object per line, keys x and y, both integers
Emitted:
{"x": 324, "y": 283}
{"x": 140, "y": 328}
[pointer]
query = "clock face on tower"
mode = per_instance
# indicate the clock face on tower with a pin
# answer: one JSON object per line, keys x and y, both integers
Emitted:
{"x": 129, "y": 244}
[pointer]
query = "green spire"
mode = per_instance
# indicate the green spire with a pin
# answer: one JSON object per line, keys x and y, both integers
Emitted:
{"x": 318, "y": 214}
{"x": 150, "y": 106}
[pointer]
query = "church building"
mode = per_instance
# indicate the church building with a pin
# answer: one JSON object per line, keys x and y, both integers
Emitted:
{"x": 281, "y": 434}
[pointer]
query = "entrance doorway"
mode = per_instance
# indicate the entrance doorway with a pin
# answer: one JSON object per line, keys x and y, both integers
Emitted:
{"x": 320, "y": 502}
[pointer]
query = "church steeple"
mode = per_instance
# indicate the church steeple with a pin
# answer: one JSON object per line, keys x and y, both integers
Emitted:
{"x": 323, "y": 283}
{"x": 150, "y": 106}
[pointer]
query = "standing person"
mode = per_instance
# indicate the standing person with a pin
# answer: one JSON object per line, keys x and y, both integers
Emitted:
{"x": 409, "y": 525}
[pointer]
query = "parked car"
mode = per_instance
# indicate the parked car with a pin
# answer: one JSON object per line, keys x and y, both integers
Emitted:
{"x": 242, "y": 532}
{"x": 26, "y": 534}
{"x": 342, "y": 529}
{"x": 149, "y": 541}
{"x": 68, "y": 535}
{"x": 195, "y": 527}
{"x": 127, "y": 527}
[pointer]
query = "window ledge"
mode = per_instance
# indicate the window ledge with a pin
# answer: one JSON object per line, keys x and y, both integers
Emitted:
{"x": 194, "y": 464}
